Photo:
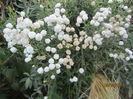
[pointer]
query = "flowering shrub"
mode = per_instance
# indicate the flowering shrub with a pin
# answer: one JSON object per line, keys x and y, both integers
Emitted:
{"x": 63, "y": 49}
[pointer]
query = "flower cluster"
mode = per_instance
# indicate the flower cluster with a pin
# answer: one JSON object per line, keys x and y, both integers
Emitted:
{"x": 61, "y": 36}
{"x": 100, "y": 16}
{"x": 22, "y": 33}
{"x": 81, "y": 18}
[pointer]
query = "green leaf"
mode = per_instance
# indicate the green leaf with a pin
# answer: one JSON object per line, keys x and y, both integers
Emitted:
{"x": 28, "y": 83}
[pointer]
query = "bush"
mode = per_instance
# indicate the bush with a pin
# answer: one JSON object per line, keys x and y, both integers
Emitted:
{"x": 57, "y": 48}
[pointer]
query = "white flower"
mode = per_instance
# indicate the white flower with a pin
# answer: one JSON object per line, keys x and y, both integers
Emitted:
{"x": 111, "y": 55}
{"x": 9, "y": 25}
{"x": 127, "y": 58}
{"x": 57, "y": 66}
{"x": 53, "y": 50}
{"x": 6, "y": 30}
{"x": 22, "y": 14}
{"x": 79, "y": 20}
{"x": 46, "y": 69}
{"x": 77, "y": 24}
{"x": 110, "y": 1}
{"x": 82, "y": 13}
{"x": 125, "y": 36}
{"x": 36, "y": 25}
{"x": 40, "y": 70}
{"x": 68, "y": 29}
{"x": 61, "y": 60}
{"x": 57, "y": 11}
{"x": 68, "y": 52}
{"x": 51, "y": 66}
{"x": 63, "y": 10}
{"x": 31, "y": 35}
{"x": 29, "y": 49}
{"x": 48, "y": 49}
{"x": 85, "y": 17}
{"x": 82, "y": 33}
{"x": 96, "y": 23}
{"x": 95, "y": 47}
{"x": 75, "y": 79}
{"x": 97, "y": 38}
{"x": 41, "y": 22}
{"x": 127, "y": 50}
{"x": 41, "y": 6}
{"x": 56, "y": 56}
{"x": 13, "y": 50}
{"x": 126, "y": 7}
{"x": 60, "y": 46}
{"x": 92, "y": 22}
{"x": 27, "y": 22}
{"x": 71, "y": 80}
{"x": 127, "y": 25}
{"x": 77, "y": 48}
{"x": 53, "y": 77}
{"x": 38, "y": 37}
{"x": 60, "y": 37}
{"x": 45, "y": 97}
{"x": 115, "y": 55}
{"x": 58, "y": 5}
{"x": 73, "y": 29}
{"x": 121, "y": 43}
{"x": 47, "y": 41}
{"x": 51, "y": 60}
{"x": 81, "y": 70}
{"x": 100, "y": 19}
{"x": 27, "y": 59}
{"x": 66, "y": 37}
{"x": 58, "y": 71}
{"x": 66, "y": 21}
{"x": 93, "y": 3}
{"x": 43, "y": 32}
{"x": 57, "y": 28}
{"x": 10, "y": 44}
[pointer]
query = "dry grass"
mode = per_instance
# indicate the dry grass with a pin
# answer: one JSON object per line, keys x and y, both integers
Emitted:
{"x": 100, "y": 91}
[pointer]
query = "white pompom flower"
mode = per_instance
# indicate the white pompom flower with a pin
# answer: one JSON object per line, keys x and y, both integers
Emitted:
{"x": 9, "y": 25}
{"x": 47, "y": 41}
{"x": 58, "y": 5}
{"x": 53, "y": 50}
{"x": 43, "y": 32}
{"x": 31, "y": 35}
{"x": 40, "y": 70}
{"x": 28, "y": 59}
{"x": 52, "y": 77}
{"x": 63, "y": 10}
{"x": 56, "y": 56}
{"x": 22, "y": 14}
{"x": 81, "y": 70}
{"x": 75, "y": 79}
{"x": 48, "y": 48}
{"x": 58, "y": 71}
{"x": 46, "y": 69}
{"x": 51, "y": 61}
{"x": 51, "y": 66}
{"x": 61, "y": 60}
{"x": 13, "y": 50}
{"x": 38, "y": 37}
{"x": 58, "y": 66}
